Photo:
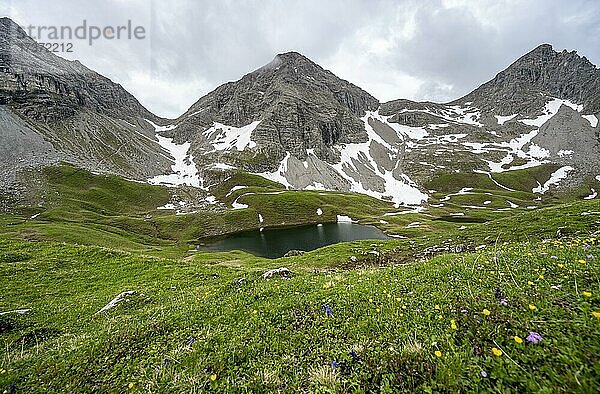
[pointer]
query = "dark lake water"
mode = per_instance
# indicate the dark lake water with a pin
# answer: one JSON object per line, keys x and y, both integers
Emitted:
{"x": 276, "y": 242}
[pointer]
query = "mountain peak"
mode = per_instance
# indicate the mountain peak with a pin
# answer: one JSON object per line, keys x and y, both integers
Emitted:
{"x": 289, "y": 60}
{"x": 542, "y": 48}
{"x": 535, "y": 77}
{"x": 6, "y": 21}
{"x": 291, "y": 56}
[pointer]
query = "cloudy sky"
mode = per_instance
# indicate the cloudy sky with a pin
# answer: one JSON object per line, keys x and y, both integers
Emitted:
{"x": 433, "y": 50}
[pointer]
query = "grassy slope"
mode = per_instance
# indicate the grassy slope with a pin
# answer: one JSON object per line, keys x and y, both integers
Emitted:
{"x": 274, "y": 335}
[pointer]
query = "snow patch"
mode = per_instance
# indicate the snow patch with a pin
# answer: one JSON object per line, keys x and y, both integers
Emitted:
{"x": 563, "y": 152}
{"x": 279, "y": 175}
{"x": 238, "y": 205}
{"x": 592, "y": 196}
{"x": 344, "y": 219}
{"x": 592, "y": 119}
{"x": 184, "y": 169}
{"x": 160, "y": 129}
{"x": 225, "y": 137}
{"x": 512, "y": 204}
{"x": 550, "y": 110}
{"x": 235, "y": 188}
{"x": 211, "y": 199}
{"x": 223, "y": 166}
{"x": 504, "y": 119}
{"x": 555, "y": 178}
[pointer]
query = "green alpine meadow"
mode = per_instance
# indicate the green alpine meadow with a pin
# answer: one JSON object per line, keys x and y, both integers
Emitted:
{"x": 287, "y": 231}
{"x": 410, "y": 314}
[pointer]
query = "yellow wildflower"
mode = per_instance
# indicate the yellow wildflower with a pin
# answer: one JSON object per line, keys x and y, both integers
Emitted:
{"x": 486, "y": 312}
{"x": 596, "y": 315}
{"x": 213, "y": 377}
{"x": 586, "y": 294}
{"x": 370, "y": 300}
{"x": 397, "y": 299}
{"x": 581, "y": 261}
{"x": 518, "y": 339}
{"x": 453, "y": 324}
{"x": 530, "y": 283}
{"x": 378, "y": 310}
{"x": 561, "y": 266}
{"x": 532, "y": 307}
{"x": 131, "y": 385}
{"x": 497, "y": 352}
{"x": 437, "y": 353}
{"x": 437, "y": 307}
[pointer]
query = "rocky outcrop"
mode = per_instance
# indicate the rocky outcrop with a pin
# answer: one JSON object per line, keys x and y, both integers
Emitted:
{"x": 570, "y": 140}
{"x": 527, "y": 83}
{"x": 54, "y": 110}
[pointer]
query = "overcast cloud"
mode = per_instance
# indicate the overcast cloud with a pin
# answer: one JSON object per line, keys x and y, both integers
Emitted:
{"x": 422, "y": 50}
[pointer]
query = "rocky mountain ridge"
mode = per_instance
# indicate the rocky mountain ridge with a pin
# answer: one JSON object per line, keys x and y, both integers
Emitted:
{"x": 296, "y": 123}
{"x": 54, "y": 110}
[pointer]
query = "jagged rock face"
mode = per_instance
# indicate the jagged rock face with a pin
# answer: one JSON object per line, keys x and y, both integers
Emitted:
{"x": 53, "y": 110}
{"x": 300, "y": 106}
{"x": 525, "y": 86}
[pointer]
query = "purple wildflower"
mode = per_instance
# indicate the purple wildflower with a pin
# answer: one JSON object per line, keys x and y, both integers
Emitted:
{"x": 354, "y": 355}
{"x": 586, "y": 247}
{"x": 554, "y": 257}
{"x": 484, "y": 374}
{"x": 504, "y": 302}
{"x": 334, "y": 364}
{"x": 533, "y": 337}
{"x": 328, "y": 310}
{"x": 191, "y": 342}
{"x": 590, "y": 256}
{"x": 464, "y": 311}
